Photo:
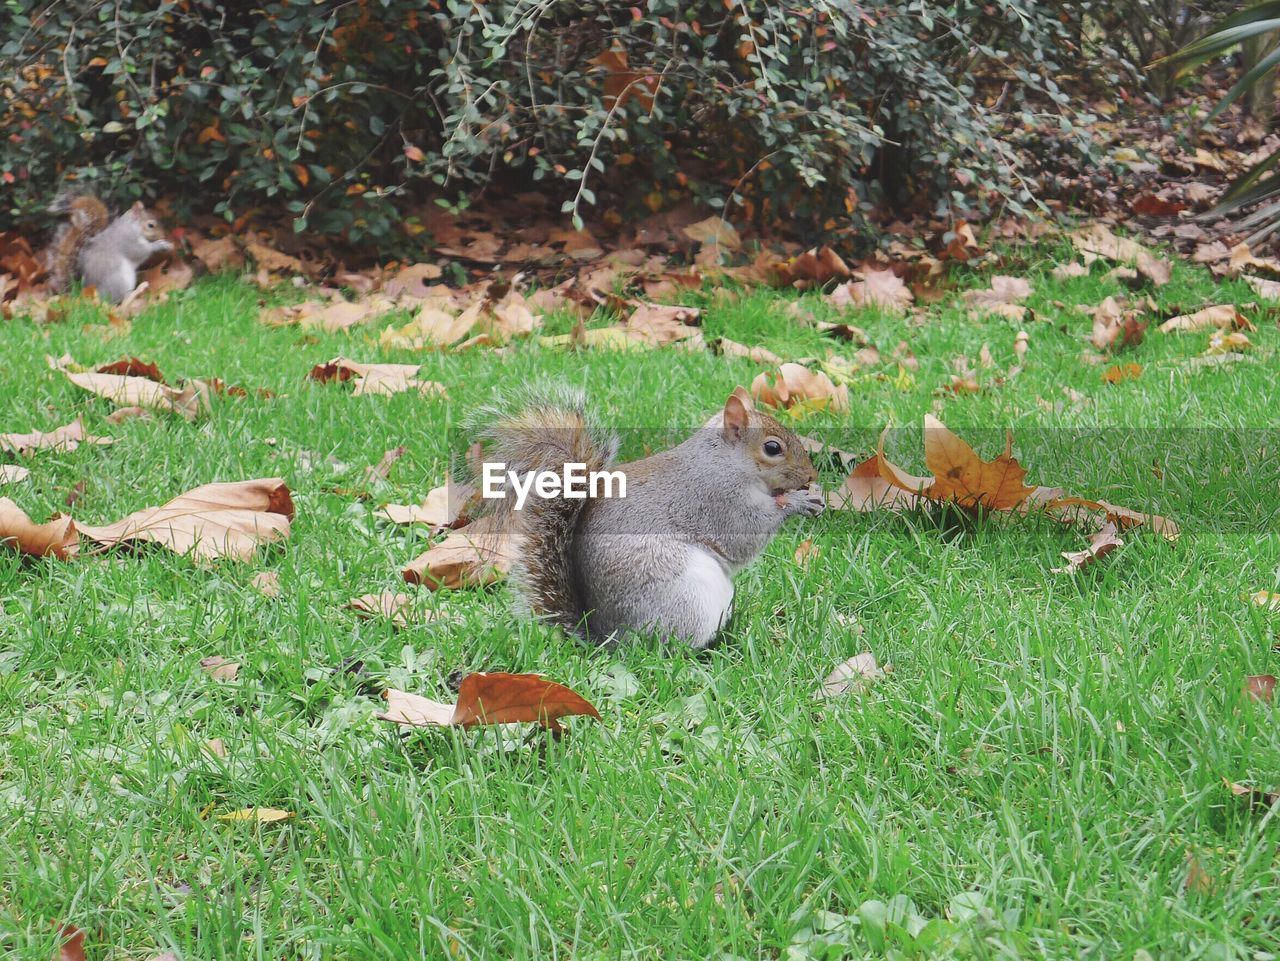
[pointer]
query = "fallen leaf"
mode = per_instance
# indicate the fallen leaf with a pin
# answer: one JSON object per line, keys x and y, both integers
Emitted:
{"x": 411, "y": 281}
{"x": 866, "y": 489}
{"x": 491, "y": 698}
{"x": 1097, "y": 240}
{"x": 330, "y": 317}
{"x": 1100, "y": 545}
{"x": 219, "y": 668}
{"x": 472, "y": 556}
{"x": 376, "y": 378}
{"x": 121, "y": 414}
{"x": 381, "y": 471}
{"x": 660, "y": 324}
{"x": 397, "y": 608}
{"x": 1267, "y": 599}
{"x": 1260, "y": 687}
{"x": 1222, "y": 342}
{"x": 1122, "y": 372}
{"x": 209, "y": 522}
{"x": 1241, "y": 257}
{"x": 217, "y": 253}
{"x": 852, "y": 677}
{"x": 794, "y": 384}
{"x": 273, "y": 260}
{"x": 13, "y": 474}
{"x": 257, "y": 815}
{"x": 1067, "y": 271}
{"x": 267, "y": 583}
{"x": 133, "y": 367}
{"x": 1003, "y": 297}
{"x": 1113, "y": 323}
{"x": 714, "y": 231}
{"x": 1258, "y": 798}
{"x": 125, "y": 391}
{"x": 66, "y": 438}
{"x": 806, "y": 552}
{"x": 759, "y": 355}
{"x": 215, "y": 747}
{"x": 443, "y": 507}
{"x": 57, "y": 538}
{"x": 819, "y": 266}
{"x": 71, "y": 947}
{"x": 1221, "y": 316}
{"x": 876, "y": 288}
{"x": 1198, "y": 881}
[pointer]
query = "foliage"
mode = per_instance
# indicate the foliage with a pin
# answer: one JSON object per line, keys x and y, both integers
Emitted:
{"x": 342, "y": 112}
{"x": 1259, "y": 186}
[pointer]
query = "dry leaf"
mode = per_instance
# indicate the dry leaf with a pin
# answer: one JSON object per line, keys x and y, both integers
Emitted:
{"x": 491, "y": 698}
{"x": 472, "y": 556}
{"x": 866, "y": 489}
{"x": 806, "y": 552}
{"x": 217, "y": 254}
{"x": 1221, "y": 316}
{"x": 1268, "y": 289}
{"x": 729, "y": 348}
{"x": 1260, "y": 687}
{"x": 267, "y": 583}
{"x": 411, "y": 281}
{"x": 125, "y": 391}
{"x": 381, "y": 471}
{"x": 795, "y": 384}
{"x": 257, "y": 815}
{"x": 57, "y": 538}
{"x": 1067, "y": 271}
{"x": 133, "y": 367}
{"x": 443, "y": 507}
{"x": 397, "y": 608}
{"x": 209, "y": 522}
{"x": 1223, "y": 342}
{"x": 1121, "y": 372}
{"x": 876, "y": 288}
{"x": 219, "y": 668}
{"x": 273, "y": 260}
{"x": 660, "y": 324}
{"x": 852, "y": 677}
{"x": 1258, "y": 798}
{"x": 71, "y": 947}
{"x": 13, "y": 474}
{"x": 714, "y": 231}
{"x": 1097, "y": 240}
{"x": 819, "y": 266}
{"x": 1100, "y": 545}
{"x": 1267, "y": 599}
{"x": 65, "y": 438}
{"x": 376, "y": 378}
{"x": 1112, "y": 323}
{"x": 1003, "y": 297}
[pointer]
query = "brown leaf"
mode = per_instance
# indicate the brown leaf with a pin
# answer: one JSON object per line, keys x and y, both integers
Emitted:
{"x": 876, "y": 288}
{"x": 1258, "y": 798}
{"x": 1098, "y": 241}
{"x": 1100, "y": 545}
{"x": 71, "y": 947}
{"x": 1112, "y": 323}
{"x": 121, "y": 414}
{"x": 491, "y": 698}
{"x": 961, "y": 476}
{"x": 219, "y": 668}
{"x": 1067, "y": 271}
{"x": 66, "y": 438}
{"x": 443, "y": 507}
{"x": 209, "y": 522}
{"x": 381, "y": 471}
{"x": 57, "y": 538}
{"x": 794, "y": 384}
{"x": 1003, "y": 294}
{"x": 412, "y": 281}
{"x": 1221, "y": 316}
{"x": 660, "y": 324}
{"x": 1122, "y": 372}
{"x": 806, "y": 552}
{"x": 1227, "y": 342}
{"x": 866, "y": 489}
{"x": 123, "y": 391}
{"x": 432, "y": 328}
{"x": 472, "y": 556}
{"x": 133, "y": 367}
{"x": 1260, "y": 687}
{"x": 397, "y": 608}
{"x": 273, "y": 260}
{"x": 376, "y": 378}
{"x": 1067, "y": 508}
{"x": 267, "y": 583}
{"x": 1198, "y": 881}
{"x": 217, "y": 253}
{"x": 1267, "y": 289}
{"x": 13, "y": 474}
{"x": 1242, "y": 258}
{"x": 852, "y": 677}
{"x": 818, "y": 266}
{"x": 729, "y": 348}
{"x": 714, "y": 231}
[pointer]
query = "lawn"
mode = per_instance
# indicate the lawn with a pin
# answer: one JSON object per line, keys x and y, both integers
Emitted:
{"x": 1039, "y": 774}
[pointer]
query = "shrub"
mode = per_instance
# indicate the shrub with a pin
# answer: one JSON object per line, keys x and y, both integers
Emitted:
{"x": 343, "y": 113}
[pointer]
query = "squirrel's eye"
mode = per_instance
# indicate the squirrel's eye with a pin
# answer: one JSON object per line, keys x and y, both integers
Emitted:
{"x": 772, "y": 448}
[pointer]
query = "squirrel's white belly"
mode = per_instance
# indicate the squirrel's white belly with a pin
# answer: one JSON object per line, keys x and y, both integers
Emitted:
{"x": 711, "y": 590}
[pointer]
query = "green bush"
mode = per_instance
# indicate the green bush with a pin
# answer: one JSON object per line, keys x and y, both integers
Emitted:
{"x": 346, "y": 114}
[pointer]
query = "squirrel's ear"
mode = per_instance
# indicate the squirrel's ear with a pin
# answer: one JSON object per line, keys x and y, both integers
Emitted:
{"x": 138, "y": 209}
{"x": 737, "y": 412}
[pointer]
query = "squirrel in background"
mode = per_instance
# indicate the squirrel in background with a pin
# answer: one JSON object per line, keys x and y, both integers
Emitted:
{"x": 662, "y": 558}
{"x": 102, "y": 252}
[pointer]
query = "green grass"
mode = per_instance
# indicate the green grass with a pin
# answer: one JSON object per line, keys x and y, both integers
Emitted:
{"x": 1053, "y": 746}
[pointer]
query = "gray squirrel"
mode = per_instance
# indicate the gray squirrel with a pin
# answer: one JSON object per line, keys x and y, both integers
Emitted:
{"x": 661, "y": 559}
{"x": 102, "y": 252}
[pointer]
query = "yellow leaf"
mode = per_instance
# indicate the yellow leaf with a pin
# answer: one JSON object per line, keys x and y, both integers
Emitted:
{"x": 260, "y": 815}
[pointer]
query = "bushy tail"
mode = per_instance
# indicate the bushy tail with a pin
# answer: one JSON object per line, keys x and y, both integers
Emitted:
{"x": 544, "y": 432}
{"x": 86, "y": 216}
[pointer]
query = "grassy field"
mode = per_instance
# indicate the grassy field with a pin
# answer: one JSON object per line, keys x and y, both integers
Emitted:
{"x": 1038, "y": 775}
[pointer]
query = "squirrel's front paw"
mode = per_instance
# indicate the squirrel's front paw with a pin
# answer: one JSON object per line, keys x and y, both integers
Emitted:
{"x": 808, "y": 502}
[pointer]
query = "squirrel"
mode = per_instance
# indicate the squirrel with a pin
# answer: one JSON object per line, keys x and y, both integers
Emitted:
{"x": 661, "y": 558}
{"x": 102, "y": 252}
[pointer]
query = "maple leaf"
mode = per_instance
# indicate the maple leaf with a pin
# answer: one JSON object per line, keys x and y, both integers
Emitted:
{"x": 794, "y": 385}
{"x": 1097, "y": 241}
{"x": 1003, "y": 297}
{"x": 818, "y": 266}
{"x": 876, "y": 288}
{"x": 1112, "y": 323}
{"x": 491, "y": 698}
{"x": 660, "y": 324}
